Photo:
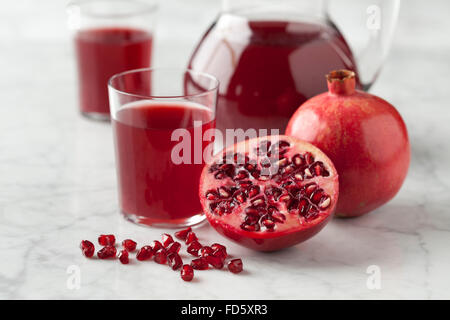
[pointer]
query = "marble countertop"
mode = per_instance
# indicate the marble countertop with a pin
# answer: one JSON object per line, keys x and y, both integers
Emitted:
{"x": 58, "y": 184}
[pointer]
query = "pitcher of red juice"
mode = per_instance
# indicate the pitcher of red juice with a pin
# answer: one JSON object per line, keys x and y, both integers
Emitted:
{"x": 271, "y": 56}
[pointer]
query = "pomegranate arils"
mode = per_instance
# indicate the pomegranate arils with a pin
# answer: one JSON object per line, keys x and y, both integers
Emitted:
{"x": 194, "y": 248}
{"x": 205, "y": 251}
{"x": 166, "y": 240}
{"x": 156, "y": 246}
{"x": 199, "y": 264}
{"x": 161, "y": 256}
{"x": 214, "y": 261}
{"x": 145, "y": 253}
{"x": 191, "y": 237}
{"x": 174, "y": 260}
{"x": 187, "y": 273}
{"x": 106, "y": 239}
{"x": 123, "y": 257}
{"x": 182, "y": 234}
{"x": 87, "y": 248}
{"x": 174, "y": 247}
{"x": 129, "y": 244}
{"x": 217, "y": 246}
{"x": 107, "y": 252}
{"x": 235, "y": 265}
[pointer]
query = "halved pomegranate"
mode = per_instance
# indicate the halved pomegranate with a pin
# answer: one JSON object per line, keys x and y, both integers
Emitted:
{"x": 269, "y": 193}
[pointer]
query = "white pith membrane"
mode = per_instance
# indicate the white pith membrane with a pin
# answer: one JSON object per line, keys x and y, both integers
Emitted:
{"x": 311, "y": 186}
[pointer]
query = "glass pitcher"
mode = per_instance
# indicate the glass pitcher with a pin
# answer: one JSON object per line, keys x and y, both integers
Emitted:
{"x": 272, "y": 55}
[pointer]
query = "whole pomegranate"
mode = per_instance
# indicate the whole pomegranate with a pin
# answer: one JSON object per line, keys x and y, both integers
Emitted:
{"x": 363, "y": 135}
{"x": 269, "y": 193}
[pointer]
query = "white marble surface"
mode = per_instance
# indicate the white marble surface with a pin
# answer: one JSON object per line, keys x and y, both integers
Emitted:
{"x": 58, "y": 186}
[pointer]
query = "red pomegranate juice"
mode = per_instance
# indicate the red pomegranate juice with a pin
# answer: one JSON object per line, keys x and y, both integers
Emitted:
{"x": 267, "y": 69}
{"x": 152, "y": 188}
{"x": 103, "y": 52}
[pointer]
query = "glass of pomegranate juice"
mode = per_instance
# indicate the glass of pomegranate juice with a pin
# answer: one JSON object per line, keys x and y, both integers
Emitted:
{"x": 163, "y": 123}
{"x": 110, "y": 36}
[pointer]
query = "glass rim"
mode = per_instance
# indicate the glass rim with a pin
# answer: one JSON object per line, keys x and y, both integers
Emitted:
{"x": 143, "y": 9}
{"x": 214, "y": 80}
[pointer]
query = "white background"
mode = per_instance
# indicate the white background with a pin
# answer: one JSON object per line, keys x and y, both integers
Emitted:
{"x": 58, "y": 186}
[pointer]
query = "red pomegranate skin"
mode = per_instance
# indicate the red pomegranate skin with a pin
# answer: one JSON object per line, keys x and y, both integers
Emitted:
{"x": 364, "y": 136}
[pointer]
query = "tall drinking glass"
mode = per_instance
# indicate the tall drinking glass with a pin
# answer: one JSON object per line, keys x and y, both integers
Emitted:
{"x": 163, "y": 123}
{"x": 110, "y": 36}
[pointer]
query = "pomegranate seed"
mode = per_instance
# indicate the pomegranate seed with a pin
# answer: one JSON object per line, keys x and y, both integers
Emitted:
{"x": 253, "y": 191}
{"x": 166, "y": 240}
{"x": 317, "y": 196}
{"x": 187, "y": 273}
{"x": 182, "y": 234}
{"x": 285, "y": 198}
{"x": 174, "y": 261}
{"x": 199, "y": 264}
{"x": 297, "y": 160}
{"x": 303, "y": 205}
{"x": 235, "y": 265}
{"x": 220, "y": 253}
{"x": 123, "y": 257}
{"x": 310, "y": 189}
{"x": 174, "y": 247}
{"x": 161, "y": 256}
{"x": 269, "y": 224}
{"x": 129, "y": 244}
{"x": 107, "y": 252}
{"x": 156, "y": 246}
{"x": 205, "y": 251}
{"x": 278, "y": 217}
{"x": 308, "y": 173}
{"x": 191, "y": 237}
{"x": 298, "y": 176}
{"x": 215, "y": 262}
{"x": 87, "y": 248}
{"x": 217, "y": 246}
{"x": 309, "y": 158}
{"x": 145, "y": 253}
{"x": 212, "y": 195}
{"x": 325, "y": 203}
{"x": 106, "y": 240}
{"x": 193, "y": 248}
{"x": 223, "y": 192}
{"x": 241, "y": 175}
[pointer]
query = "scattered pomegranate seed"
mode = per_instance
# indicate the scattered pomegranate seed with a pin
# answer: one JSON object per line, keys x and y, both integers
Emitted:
{"x": 161, "y": 256}
{"x": 174, "y": 247}
{"x": 222, "y": 254}
{"x": 235, "y": 265}
{"x": 191, "y": 237}
{"x": 107, "y": 240}
{"x": 193, "y": 248}
{"x": 167, "y": 252}
{"x": 215, "y": 262}
{"x": 174, "y": 260}
{"x": 129, "y": 245}
{"x": 87, "y": 248}
{"x": 205, "y": 251}
{"x": 123, "y": 257}
{"x": 166, "y": 240}
{"x": 199, "y": 264}
{"x": 182, "y": 234}
{"x": 145, "y": 253}
{"x": 107, "y": 252}
{"x": 156, "y": 245}
{"x": 187, "y": 273}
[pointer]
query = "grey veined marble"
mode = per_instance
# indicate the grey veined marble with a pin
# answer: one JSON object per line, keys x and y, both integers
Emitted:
{"x": 58, "y": 185}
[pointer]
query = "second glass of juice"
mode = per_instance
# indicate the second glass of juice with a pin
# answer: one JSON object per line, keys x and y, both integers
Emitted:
{"x": 110, "y": 36}
{"x": 163, "y": 124}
